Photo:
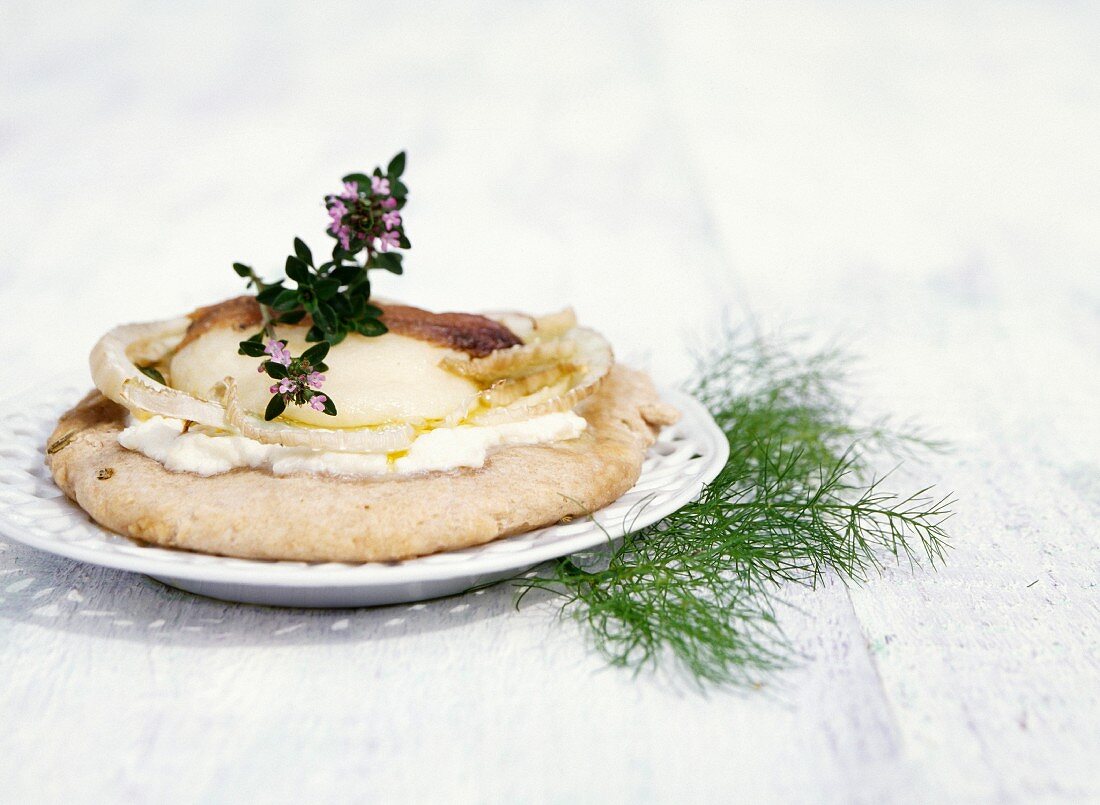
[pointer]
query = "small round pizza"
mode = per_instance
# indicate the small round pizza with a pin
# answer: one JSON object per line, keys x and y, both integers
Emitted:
{"x": 434, "y": 431}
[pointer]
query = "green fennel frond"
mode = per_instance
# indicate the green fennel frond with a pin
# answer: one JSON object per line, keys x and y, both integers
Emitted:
{"x": 796, "y": 500}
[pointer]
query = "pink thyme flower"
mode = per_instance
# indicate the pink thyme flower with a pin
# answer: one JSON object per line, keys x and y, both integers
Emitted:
{"x": 315, "y": 379}
{"x": 389, "y": 203}
{"x": 351, "y": 191}
{"x": 287, "y": 386}
{"x": 380, "y": 186}
{"x": 389, "y": 240}
{"x": 278, "y": 353}
{"x": 337, "y": 212}
{"x": 391, "y": 219}
{"x": 343, "y": 234}
{"x": 318, "y": 402}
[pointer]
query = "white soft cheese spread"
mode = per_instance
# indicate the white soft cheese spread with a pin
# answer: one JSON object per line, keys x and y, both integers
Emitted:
{"x": 206, "y": 452}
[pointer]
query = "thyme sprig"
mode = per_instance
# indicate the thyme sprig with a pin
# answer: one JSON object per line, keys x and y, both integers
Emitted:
{"x": 798, "y": 500}
{"x": 367, "y": 224}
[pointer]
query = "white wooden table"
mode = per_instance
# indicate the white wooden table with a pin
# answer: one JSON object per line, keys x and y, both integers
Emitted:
{"x": 921, "y": 183}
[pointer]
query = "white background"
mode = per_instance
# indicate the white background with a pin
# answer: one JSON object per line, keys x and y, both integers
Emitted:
{"x": 923, "y": 183}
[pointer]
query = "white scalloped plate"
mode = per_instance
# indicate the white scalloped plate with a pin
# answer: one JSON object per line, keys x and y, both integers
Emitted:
{"x": 35, "y": 512}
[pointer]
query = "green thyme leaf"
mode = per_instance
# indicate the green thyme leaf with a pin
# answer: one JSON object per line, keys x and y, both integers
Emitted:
{"x": 360, "y": 288}
{"x": 297, "y": 270}
{"x": 287, "y": 300}
{"x": 371, "y": 327}
{"x": 303, "y": 252}
{"x": 388, "y": 261}
{"x": 275, "y": 370}
{"x": 345, "y": 274}
{"x": 293, "y": 317}
{"x": 327, "y": 288}
{"x": 252, "y": 349}
{"x": 275, "y": 407}
{"x": 242, "y": 270}
{"x": 323, "y": 316}
{"x": 316, "y": 353}
{"x": 396, "y": 166}
{"x": 268, "y": 294}
{"x": 330, "y": 406}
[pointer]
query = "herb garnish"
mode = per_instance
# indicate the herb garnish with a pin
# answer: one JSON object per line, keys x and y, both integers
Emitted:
{"x": 797, "y": 500}
{"x": 367, "y": 224}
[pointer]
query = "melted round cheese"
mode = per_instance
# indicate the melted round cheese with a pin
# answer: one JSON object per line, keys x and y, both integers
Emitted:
{"x": 385, "y": 379}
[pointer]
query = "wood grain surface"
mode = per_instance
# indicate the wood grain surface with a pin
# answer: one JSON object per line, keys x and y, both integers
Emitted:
{"x": 919, "y": 183}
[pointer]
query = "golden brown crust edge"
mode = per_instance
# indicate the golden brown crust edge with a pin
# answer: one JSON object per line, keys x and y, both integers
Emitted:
{"x": 253, "y": 514}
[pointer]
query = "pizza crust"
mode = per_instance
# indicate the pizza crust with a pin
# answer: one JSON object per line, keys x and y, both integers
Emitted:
{"x": 253, "y": 514}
